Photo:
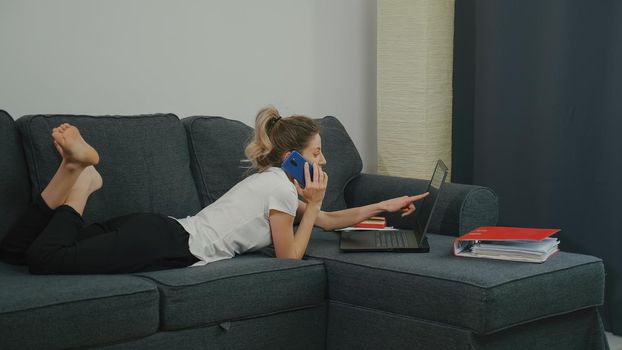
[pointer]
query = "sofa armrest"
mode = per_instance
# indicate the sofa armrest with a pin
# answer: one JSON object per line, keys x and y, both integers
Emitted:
{"x": 460, "y": 208}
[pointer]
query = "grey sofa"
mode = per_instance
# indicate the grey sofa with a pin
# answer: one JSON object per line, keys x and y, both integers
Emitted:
{"x": 330, "y": 300}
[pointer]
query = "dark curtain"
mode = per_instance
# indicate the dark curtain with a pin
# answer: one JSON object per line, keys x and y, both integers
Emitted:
{"x": 537, "y": 116}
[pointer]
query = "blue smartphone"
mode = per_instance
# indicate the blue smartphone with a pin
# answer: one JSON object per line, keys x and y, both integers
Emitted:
{"x": 294, "y": 165}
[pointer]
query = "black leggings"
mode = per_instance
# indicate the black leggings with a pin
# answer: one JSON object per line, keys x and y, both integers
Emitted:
{"x": 58, "y": 242}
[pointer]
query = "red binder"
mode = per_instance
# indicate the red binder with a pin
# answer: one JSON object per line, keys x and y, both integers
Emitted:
{"x": 501, "y": 233}
{"x": 507, "y": 243}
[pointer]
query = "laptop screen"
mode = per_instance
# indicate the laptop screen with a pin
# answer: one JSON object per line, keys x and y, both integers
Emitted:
{"x": 424, "y": 210}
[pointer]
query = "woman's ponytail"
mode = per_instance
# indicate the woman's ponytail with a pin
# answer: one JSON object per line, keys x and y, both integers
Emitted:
{"x": 261, "y": 146}
{"x": 275, "y": 135}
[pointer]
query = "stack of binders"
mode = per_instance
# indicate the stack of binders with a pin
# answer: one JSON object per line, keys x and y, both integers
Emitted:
{"x": 508, "y": 243}
{"x": 373, "y": 222}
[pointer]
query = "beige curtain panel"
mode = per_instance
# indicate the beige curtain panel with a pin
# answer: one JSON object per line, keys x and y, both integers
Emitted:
{"x": 415, "y": 60}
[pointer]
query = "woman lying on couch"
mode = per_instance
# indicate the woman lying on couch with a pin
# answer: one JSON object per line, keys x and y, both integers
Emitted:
{"x": 260, "y": 210}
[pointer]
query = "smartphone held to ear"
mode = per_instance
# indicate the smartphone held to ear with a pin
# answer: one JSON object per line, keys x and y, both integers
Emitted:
{"x": 294, "y": 166}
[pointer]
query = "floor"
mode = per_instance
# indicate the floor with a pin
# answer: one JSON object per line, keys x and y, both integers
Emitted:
{"x": 615, "y": 341}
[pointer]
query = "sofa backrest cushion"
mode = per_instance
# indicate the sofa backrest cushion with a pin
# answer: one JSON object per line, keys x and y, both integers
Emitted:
{"x": 343, "y": 162}
{"x": 144, "y": 162}
{"x": 218, "y": 161}
{"x": 217, "y": 152}
{"x": 14, "y": 182}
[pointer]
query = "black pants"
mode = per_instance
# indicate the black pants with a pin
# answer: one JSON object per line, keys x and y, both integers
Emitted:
{"x": 58, "y": 242}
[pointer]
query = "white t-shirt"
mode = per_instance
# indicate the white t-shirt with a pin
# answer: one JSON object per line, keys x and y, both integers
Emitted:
{"x": 238, "y": 221}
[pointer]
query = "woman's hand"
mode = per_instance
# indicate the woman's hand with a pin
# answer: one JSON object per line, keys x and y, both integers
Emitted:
{"x": 314, "y": 188}
{"x": 406, "y": 204}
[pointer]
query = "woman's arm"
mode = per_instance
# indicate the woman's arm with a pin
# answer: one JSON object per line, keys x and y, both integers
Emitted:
{"x": 288, "y": 245}
{"x": 343, "y": 218}
{"x": 330, "y": 220}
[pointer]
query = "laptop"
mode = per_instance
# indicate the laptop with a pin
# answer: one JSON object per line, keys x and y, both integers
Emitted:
{"x": 400, "y": 240}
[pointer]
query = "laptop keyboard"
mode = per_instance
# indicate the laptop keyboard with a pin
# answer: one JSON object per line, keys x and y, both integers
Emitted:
{"x": 391, "y": 239}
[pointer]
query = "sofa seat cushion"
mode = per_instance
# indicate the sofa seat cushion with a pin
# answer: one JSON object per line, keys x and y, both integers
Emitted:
{"x": 217, "y": 149}
{"x": 53, "y": 312}
{"x": 245, "y": 286}
{"x": 144, "y": 161}
{"x": 303, "y": 329}
{"x": 482, "y": 295}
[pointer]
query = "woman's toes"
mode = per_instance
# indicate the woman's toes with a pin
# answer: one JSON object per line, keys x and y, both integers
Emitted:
{"x": 75, "y": 149}
{"x": 58, "y": 148}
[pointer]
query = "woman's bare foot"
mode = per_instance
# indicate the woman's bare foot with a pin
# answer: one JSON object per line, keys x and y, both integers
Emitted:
{"x": 72, "y": 147}
{"x": 77, "y": 155}
{"x": 95, "y": 180}
{"x": 88, "y": 182}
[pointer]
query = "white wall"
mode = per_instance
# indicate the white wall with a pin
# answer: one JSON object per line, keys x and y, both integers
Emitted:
{"x": 218, "y": 57}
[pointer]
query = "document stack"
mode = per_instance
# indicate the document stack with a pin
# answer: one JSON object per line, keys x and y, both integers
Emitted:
{"x": 508, "y": 243}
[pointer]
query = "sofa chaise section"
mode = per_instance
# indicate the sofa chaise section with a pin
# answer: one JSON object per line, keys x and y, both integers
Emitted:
{"x": 454, "y": 298}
